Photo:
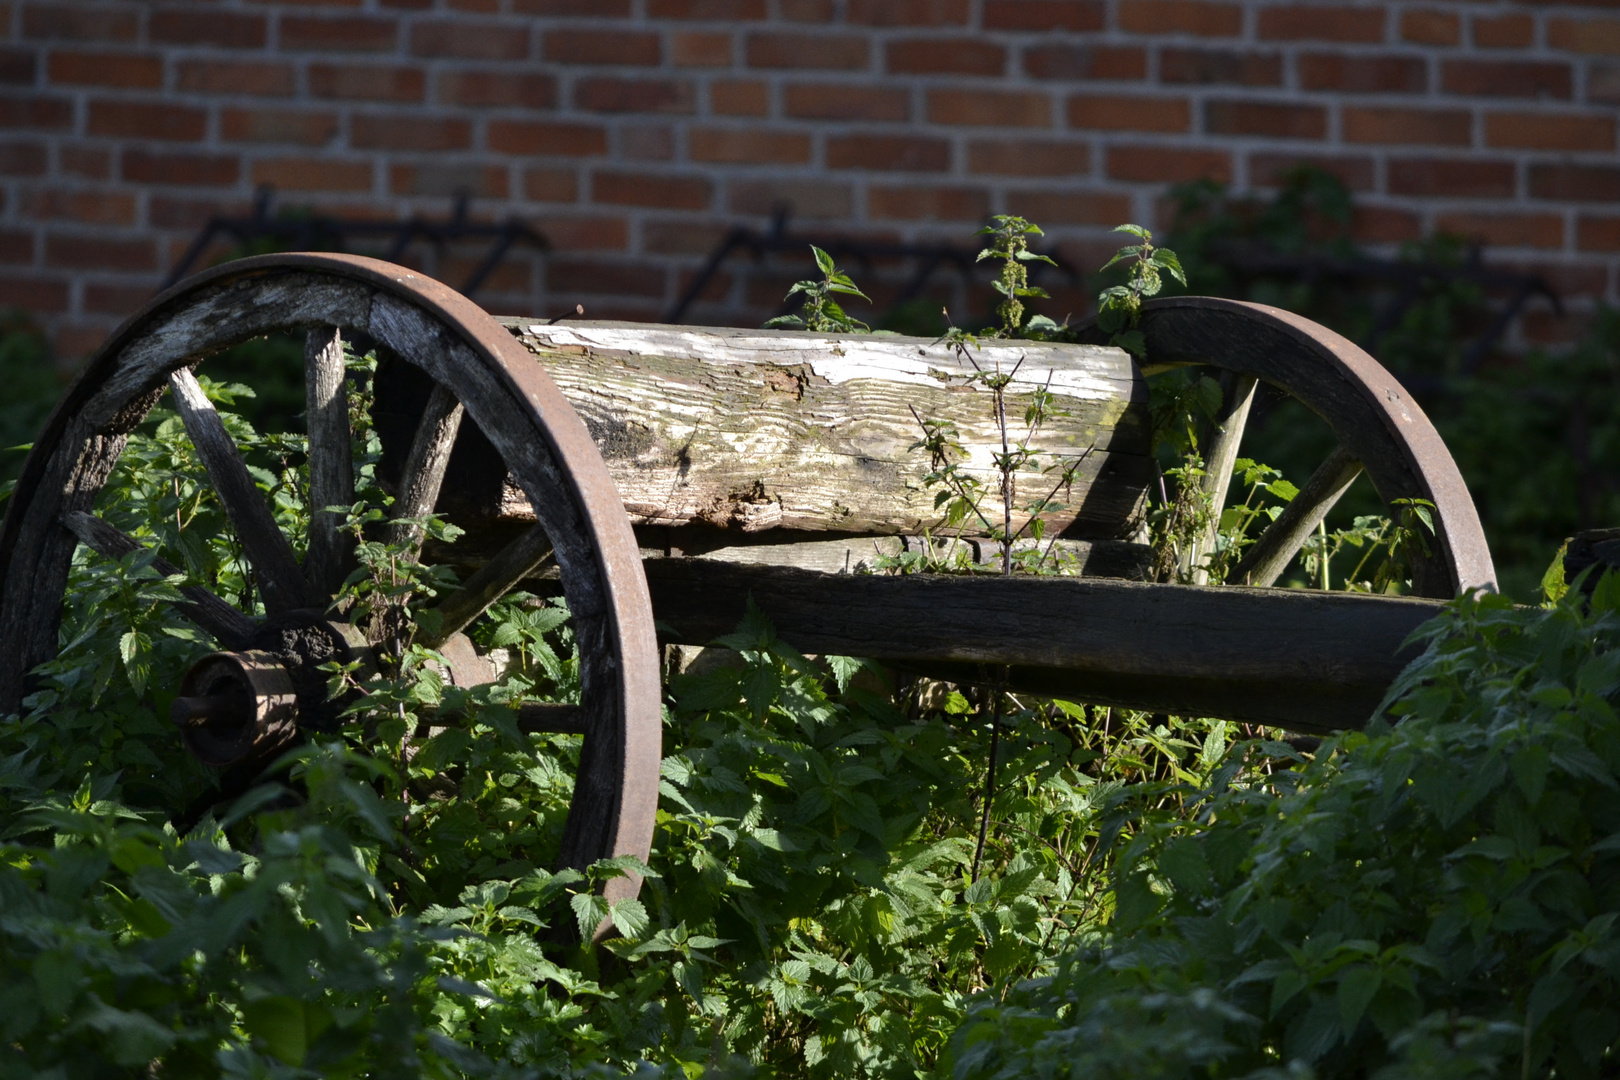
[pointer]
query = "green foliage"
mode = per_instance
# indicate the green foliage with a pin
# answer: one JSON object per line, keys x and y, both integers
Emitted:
{"x": 822, "y": 314}
{"x": 1119, "y": 306}
{"x": 1437, "y": 898}
{"x": 1009, "y": 243}
{"x": 28, "y": 372}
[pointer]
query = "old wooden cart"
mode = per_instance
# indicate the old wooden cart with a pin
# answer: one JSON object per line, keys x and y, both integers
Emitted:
{"x": 671, "y": 473}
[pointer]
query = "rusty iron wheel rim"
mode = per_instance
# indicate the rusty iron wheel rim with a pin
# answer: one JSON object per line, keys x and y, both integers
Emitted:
{"x": 1369, "y": 411}
{"x": 616, "y": 790}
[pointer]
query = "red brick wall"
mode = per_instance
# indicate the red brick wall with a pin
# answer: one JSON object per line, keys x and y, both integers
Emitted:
{"x": 633, "y": 132}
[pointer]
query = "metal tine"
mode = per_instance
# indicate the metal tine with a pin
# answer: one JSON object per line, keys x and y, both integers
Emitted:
{"x": 1270, "y": 555}
{"x": 274, "y": 564}
{"x": 516, "y": 561}
{"x": 1221, "y": 446}
{"x": 229, "y": 627}
{"x": 331, "y": 462}
{"x": 424, "y": 468}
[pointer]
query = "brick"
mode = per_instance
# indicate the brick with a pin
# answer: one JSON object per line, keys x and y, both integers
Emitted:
{"x": 1321, "y": 22}
{"x": 1575, "y": 183}
{"x": 1506, "y": 229}
{"x": 22, "y": 159}
{"x": 577, "y": 232}
{"x": 468, "y": 41}
{"x": 1469, "y": 178}
{"x": 528, "y": 137}
{"x": 338, "y": 33}
{"x": 551, "y": 185}
{"x": 1550, "y": 131}
{"x": 590, "y": 276}
{"x": 1265, "y": 118}
{"x": 313, "y": 174}
{"x": 1384, "y": 225}
{"x": 696, "y": 49}
{"x": 158, "y": 167}
{"x": 652, "y": 189}
{"x": 123, "y": 70}
{"x": 199, "y": 26}
{"x": 33, "y": 111}
{"x": 1168, "y": 165}
{"x": 841, "y": 101}
{"x": 602, "y": 47}
{"x": 366, "y": 82}
{"x": 1431, "y": 27}
{"x": 1205, "y": 66}
{"x": 1038, "y": 15}
{"x": 739, "y": 97}
{"x": 832, "y": 52}
{"x": 1504, "y": 31}
{"x": 1028, "y": 157}
{"x": 646, "y": 142}
{"x": 1593, "y": 233}
{"x": 16, "y": 247}
{"x": 1083, "y": 207}
{"x": 603, "y": 94}
{"x": 73, "y": 251}
{"x": 448, "y": 179}
{"x": 922, "y": 56}
{"x": 1199, "y": 17}
{"x": 681, "y": 237}
{"x": 747, "y": 147}
{"x": 499, "y": 89}
{"x": 805, "y": 198}
{"x": 54, "y": 20}
{"x": 1094, "y": 112}
{"x": 251, "y": 77}
{"x": 1273, "y": 169}
{"x": 1585, "y": 35}
{"x": 990, "y": 108}
{"x": 189, "y": 213}
{"x": 107, "y": 299}
{"x": 909, "y": 12}
{"x": 1603, "y": 83}
{"x": 1363, "y": 74}
{"x": 1439, "y": 127}
{"x": 98, "y": 207}
{"x": 76, "y": 343}
{"x": 293, "y": 126}
{"x": 417, "y": 131}
{"x": 90, "y": 162}
{"x": 142, "y": 120}
{"x": 899, "y": 153}
{"x": 32, "y": 294}
{"x": 18, "y": 66}
{"x": 1487, "y": 78}
{"x": 717, "y": 10}
{"x": 907, "y": 202}
{"x": 810, "y": 11}
{"x": 599, "y": 9}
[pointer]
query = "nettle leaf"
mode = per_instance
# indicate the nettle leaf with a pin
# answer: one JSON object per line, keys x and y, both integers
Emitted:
{"x": 590, "y": 911}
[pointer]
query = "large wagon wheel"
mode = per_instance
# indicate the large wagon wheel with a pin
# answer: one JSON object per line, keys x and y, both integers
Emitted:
{"x": 1378, "y": 427}
{"x": 247, "y": 699}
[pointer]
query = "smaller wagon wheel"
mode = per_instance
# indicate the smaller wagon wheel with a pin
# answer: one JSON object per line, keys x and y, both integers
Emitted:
{"x": 244, "y": 702}
{"x": 1379, "y": 428}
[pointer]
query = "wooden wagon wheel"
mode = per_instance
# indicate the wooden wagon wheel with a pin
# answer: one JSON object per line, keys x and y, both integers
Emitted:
{"x": 1379, "y": 428}
{"x": 480, "y": 372}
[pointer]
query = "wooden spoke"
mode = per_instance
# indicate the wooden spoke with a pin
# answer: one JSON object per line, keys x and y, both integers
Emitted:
{"x": 230, "y": 627}
{"x": 1263, "y": 563}
{"x": 490, "y": 582}
{"x": 1220, "y": 448}
{"x": 424, "y": 468}
{"x": 331, "y": 465}
{"x": 274, "y": 564}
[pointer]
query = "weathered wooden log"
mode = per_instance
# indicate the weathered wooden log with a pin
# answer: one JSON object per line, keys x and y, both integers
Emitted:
{"x": 1303, "y": 660}
{"x": 756, "y": 430}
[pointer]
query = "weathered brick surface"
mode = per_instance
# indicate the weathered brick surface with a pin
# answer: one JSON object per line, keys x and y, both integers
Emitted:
{"x": 635, "y": 133}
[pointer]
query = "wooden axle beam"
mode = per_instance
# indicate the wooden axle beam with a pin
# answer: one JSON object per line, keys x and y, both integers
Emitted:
{"x": 1303, "y": 660}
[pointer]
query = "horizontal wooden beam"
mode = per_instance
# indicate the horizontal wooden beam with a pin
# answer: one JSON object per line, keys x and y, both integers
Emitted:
{"x": 1299, "y": 659}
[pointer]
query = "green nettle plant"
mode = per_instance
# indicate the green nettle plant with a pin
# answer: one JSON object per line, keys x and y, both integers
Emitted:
{"x": 1119, "y": 308}
{"x": 821, "y": 313}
